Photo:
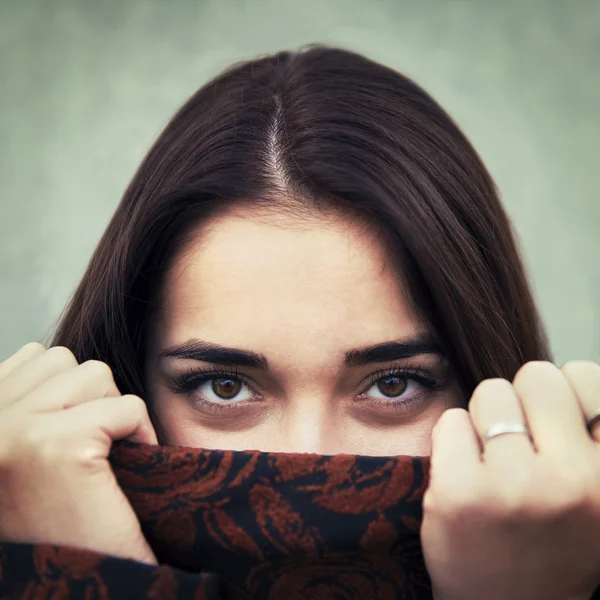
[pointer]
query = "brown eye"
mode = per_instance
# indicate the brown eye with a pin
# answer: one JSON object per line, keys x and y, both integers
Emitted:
{"x": 226, "y": 388}
{"x": 392, "y": 386}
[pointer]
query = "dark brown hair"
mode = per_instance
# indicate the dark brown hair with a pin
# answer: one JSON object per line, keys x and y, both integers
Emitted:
{"x": 299, "y": 130}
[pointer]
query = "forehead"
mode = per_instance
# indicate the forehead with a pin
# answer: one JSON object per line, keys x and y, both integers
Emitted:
{"x": 324, "y": 269}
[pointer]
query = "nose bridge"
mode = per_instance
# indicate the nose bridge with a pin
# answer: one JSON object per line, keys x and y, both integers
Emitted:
{"x": 307, "y": 426}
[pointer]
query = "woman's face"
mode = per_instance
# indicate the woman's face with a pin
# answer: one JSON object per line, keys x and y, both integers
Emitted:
{"x": 286, "y": 336}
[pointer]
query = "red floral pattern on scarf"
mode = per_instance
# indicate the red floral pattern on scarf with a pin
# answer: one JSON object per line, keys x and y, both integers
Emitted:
{"x": 262, "y": 525}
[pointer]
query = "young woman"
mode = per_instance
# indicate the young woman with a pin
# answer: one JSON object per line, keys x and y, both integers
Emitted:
{"x": 311, "y": 259}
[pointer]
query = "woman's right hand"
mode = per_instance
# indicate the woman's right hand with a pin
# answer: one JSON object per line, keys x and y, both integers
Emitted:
{"x": 58, "y": 420}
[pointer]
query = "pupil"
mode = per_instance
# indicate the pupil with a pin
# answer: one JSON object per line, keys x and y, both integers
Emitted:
{"x": 392, "y": 386}
{"x": 226, "y": 388}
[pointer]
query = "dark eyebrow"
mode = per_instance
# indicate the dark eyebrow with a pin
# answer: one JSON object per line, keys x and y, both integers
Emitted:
{"x": 422, "y": 343}
{"x": 195, "y": 349}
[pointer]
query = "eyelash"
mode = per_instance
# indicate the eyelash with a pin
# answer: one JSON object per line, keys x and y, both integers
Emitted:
{"x": 188, "y": 381}
{"x": 195, "y": 377}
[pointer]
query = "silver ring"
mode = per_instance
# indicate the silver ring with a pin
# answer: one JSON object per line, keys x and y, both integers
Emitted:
{"x": 591, "y": 421}
{"x": 504, "y": 427}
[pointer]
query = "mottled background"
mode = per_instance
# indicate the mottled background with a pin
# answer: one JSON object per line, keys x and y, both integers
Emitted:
{"x": 86, "y": 86}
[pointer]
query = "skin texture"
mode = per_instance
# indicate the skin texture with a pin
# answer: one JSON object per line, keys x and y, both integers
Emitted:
{"x": 302, "y": 293}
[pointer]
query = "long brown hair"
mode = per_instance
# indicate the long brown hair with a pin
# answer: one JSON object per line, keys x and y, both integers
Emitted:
{"x": 299, "y": 130}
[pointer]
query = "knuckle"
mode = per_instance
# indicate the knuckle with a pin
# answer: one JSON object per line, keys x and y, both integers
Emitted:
{"x": 136, "y": 403}
{"x": 508, "y": 506}
{"x": 97, "y": 368}
{"x": 33, "y": 436}
{"x": 456, "y": 412}
{"x": 451, "y": 507}
{"x": 577, "y": 368}
{"x": 547, "y": 508}
{"x": 549, "y": 500}
{"x": 430, "y": 502}
{"x": 448, "y": 417}
{"x": 27, "y": 351}
{"x": 451, "y": 502}
{"x": 61, "y": 356}
{"x": 538, "y": 498}
{"x": 515, "y": 505}
{"x": 34, "y": 347}
{"x": 489, "y": 387}
{"x": 533, "y": 369}
{"x": 492, "y": 384}
{"x": 574, "y": 492}
{"x": 39, "y": 443}
{"x": 436, "y": 503}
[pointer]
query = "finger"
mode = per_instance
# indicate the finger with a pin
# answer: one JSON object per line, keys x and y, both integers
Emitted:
{"x": 552, "y": 410}
{"x": 90, "y": 380}
{"x": 455, "y": 450}
{"x": 114, "y": 418}
{"x": 25, "y": 354}
{"x": 584, "y": 377}
{"x": 30, "y": 374}
{"x": 496, "y": 401}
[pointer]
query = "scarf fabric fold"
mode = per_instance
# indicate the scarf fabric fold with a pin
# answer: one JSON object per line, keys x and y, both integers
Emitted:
{"x": 239, "y": 525}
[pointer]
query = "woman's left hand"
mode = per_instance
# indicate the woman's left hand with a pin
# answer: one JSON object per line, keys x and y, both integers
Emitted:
{"x": 519, "y": 520}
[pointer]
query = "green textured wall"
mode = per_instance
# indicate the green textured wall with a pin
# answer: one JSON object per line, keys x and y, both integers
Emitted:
{"x": 86, "y": 86}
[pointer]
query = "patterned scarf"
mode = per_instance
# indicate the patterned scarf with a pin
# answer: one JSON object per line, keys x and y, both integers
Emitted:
{"x": 248, "y": 525}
